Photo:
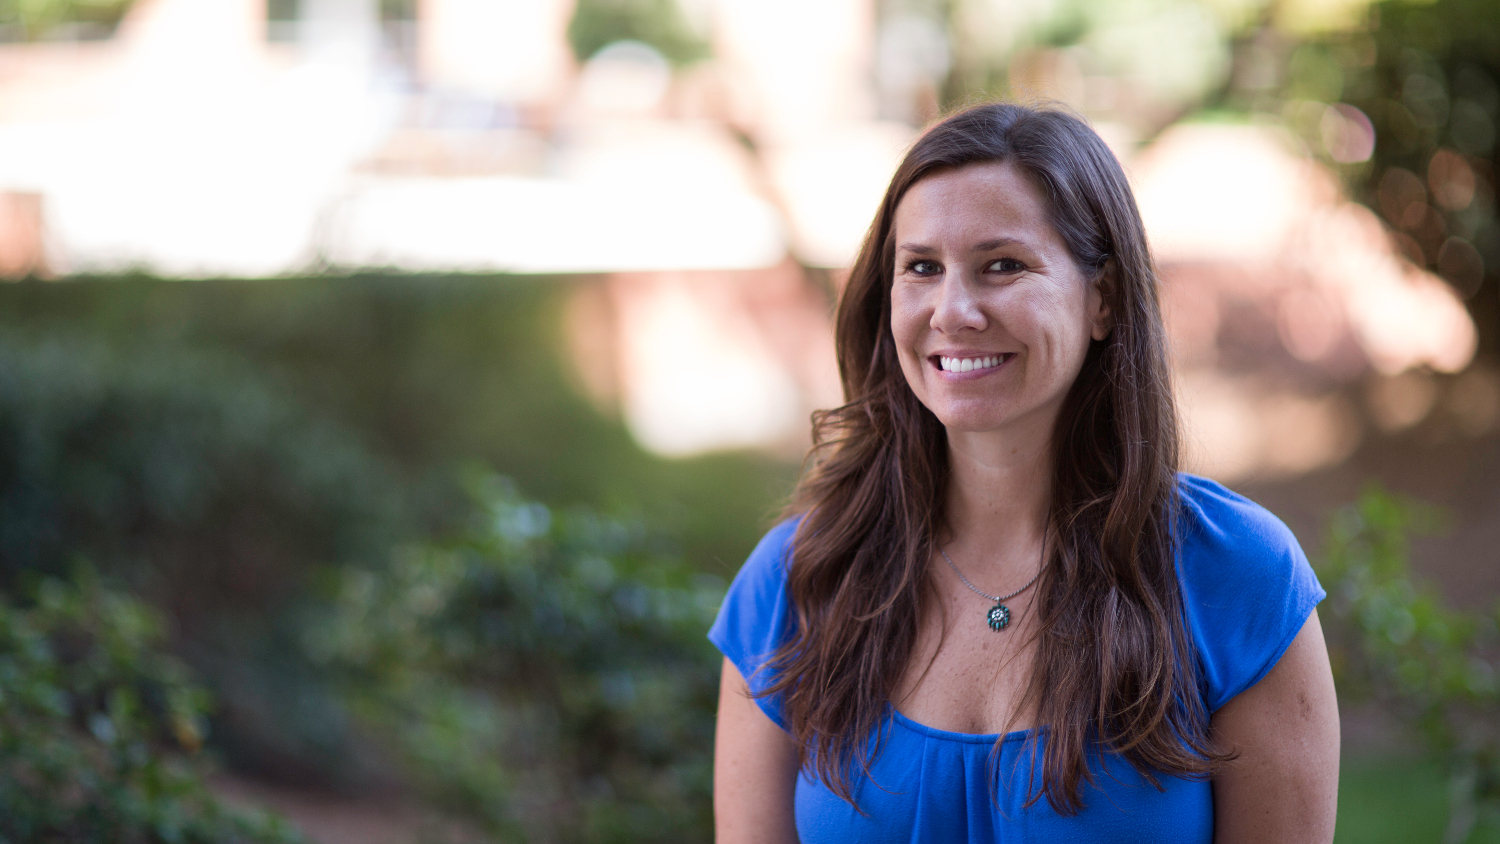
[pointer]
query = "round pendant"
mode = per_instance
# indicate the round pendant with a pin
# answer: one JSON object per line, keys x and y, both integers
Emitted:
{"x": 999, "y": 617}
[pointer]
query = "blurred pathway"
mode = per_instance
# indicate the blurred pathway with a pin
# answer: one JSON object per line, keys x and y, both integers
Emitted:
{"x": 331, "y": 819}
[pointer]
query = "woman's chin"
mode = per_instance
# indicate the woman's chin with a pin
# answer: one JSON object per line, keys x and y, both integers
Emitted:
{"x": 975, "y": 423}
{"x": 985, "y": 419}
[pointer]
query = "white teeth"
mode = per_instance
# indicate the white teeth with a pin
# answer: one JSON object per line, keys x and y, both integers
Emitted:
{"x": 968, "y": 364}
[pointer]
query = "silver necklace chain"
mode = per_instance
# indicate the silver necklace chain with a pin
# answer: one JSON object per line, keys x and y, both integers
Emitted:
{"x": 999, "y": 615}
{"x": 997, "y": 599}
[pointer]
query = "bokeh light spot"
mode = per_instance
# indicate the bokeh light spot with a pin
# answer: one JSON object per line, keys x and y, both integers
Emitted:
{"x": 1347, "y": 134}
{"x": 1451, "y": 179}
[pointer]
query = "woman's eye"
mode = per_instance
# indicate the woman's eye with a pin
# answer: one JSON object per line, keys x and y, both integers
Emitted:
{"x": 1006, "y": 265}
{"x": 923, "y": 268}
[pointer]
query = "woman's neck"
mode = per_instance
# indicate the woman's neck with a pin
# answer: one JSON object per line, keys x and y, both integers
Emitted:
{"x": 996, "y": 505}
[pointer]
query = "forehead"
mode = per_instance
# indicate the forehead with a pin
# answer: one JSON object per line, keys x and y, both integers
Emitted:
{"x": 974, "y": 202}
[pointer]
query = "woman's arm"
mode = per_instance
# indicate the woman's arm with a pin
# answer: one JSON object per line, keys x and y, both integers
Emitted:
{"x": 755, "y": 770}
{"x": 1284, "y": 785}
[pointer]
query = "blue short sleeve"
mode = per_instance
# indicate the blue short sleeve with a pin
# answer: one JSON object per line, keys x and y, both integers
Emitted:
{"x": 1247, "y": 587}
{"x": 756, "y": 616}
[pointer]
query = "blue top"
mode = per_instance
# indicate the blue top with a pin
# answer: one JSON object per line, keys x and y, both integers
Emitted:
{"x": 1247, "y": 590}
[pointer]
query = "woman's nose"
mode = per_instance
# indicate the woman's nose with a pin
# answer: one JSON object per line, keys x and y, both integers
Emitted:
{"x": 957, "y": 306}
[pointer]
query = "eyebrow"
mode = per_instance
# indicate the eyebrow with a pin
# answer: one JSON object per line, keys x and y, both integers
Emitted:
{"x": 982, "y": 246}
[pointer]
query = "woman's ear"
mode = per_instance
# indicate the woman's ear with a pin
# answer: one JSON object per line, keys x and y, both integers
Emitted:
{"x": 1101, "y": 293}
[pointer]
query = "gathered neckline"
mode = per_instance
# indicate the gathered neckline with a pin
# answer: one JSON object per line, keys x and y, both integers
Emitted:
{"x": 967, "y": 738}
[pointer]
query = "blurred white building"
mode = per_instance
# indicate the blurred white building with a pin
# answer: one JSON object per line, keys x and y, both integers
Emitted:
{"x": 201, "y": 141}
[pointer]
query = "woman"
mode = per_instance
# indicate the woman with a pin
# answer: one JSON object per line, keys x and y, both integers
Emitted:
{"x": 999, "y": 612}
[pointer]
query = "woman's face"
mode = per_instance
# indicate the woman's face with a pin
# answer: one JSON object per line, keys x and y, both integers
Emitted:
{"x": 990, "y": 315}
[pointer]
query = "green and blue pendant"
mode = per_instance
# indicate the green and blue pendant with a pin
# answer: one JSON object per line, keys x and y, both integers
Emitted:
{"x": 999, "y": 615}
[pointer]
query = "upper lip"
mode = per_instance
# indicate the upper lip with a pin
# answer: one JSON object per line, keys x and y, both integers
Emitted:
{"x": 966, "y": 354}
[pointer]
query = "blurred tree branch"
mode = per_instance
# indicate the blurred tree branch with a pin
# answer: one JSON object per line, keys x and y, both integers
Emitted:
{"x": 37, "y": 19}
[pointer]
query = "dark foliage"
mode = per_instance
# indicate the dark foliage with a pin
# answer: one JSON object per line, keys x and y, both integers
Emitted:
{"x": 427, "y": 372}
{"x": 210, "y": 493}
{"x": 545, "y": 673}
{"x": 98, "y": 728}
{"x": 1428, "y": 77}
{"x": 1396, "y": 640}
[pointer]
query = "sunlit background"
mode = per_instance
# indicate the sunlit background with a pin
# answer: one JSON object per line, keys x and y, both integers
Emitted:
{"x": 331, "y": 318}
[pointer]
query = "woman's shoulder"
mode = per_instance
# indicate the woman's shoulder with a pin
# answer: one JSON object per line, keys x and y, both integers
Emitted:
{"x": 1247, "y": 585}
{"x": 1212, "y": 515}
{"x": 756, "y": 616}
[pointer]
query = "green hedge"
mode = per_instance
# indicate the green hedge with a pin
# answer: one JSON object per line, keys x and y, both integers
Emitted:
{"x": 1396, "y": 641}
{"x": 185, "y": 476}
{"x": 545, "y": 673}
{"x": 99, "y": 727}
{"x": 428, "y": 372}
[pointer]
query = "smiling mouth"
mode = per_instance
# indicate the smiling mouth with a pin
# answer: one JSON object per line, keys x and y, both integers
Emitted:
{"x": 948, "y": 364}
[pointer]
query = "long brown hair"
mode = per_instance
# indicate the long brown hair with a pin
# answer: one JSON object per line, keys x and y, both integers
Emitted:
{"x": 1115, "y": 670}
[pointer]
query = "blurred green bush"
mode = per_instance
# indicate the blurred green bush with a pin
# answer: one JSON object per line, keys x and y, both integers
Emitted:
{"x": 660, "y": 23}
{"x": 98, "y": 727}
{"x": 1427, "y": 76}
{"x": 209, "y": 493}
{"x": 246, "y": 456}
{"x": 30, "y": 20}
{"x": 545, "y": 673}
{"x": 182, "y": 469}
{"x": 1399, "y": 643}
{"x": 428, "y": 372}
